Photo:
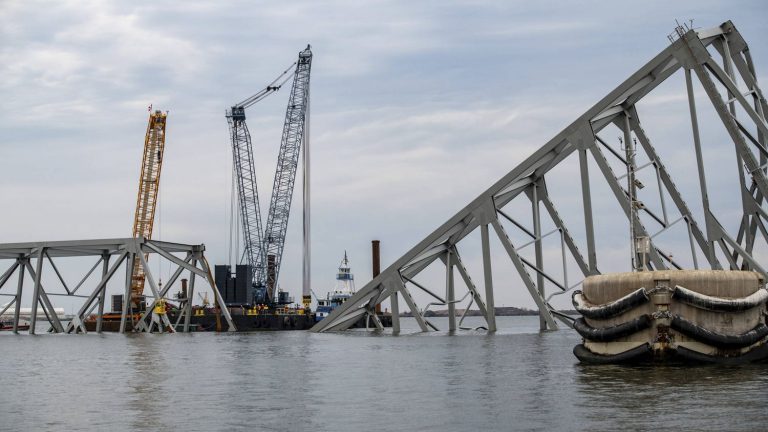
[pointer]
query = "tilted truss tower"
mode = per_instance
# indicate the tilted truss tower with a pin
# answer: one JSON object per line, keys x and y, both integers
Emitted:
{"x": 719, "y": 59}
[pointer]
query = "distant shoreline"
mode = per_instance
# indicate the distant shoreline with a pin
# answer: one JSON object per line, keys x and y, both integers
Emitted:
{"x": 500, "y": 311}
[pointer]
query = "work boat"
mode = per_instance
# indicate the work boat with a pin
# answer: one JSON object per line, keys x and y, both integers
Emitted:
{"x": 344, "y": 289}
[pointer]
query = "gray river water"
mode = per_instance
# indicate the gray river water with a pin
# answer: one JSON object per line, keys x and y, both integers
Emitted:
{"x": 516, "y": 379}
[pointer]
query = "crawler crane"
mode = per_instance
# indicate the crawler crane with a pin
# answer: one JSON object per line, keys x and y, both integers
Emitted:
{"x": 264, "y": 246}
{"x": 146, "y": 201}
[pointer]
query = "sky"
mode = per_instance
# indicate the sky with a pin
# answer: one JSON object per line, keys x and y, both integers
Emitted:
{"x": 416, "y": 108}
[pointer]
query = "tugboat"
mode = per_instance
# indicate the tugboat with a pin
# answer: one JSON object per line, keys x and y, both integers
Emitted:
{"x": 344, "y": 289}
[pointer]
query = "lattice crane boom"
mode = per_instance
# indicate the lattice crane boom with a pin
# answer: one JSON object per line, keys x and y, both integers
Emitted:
{"x": 245, "y": 173}
{"x": 247, "y": 190}
{"x": 146, "y": 200}
{"x": 258, "y": 242}
{"x": 287, "y": 163}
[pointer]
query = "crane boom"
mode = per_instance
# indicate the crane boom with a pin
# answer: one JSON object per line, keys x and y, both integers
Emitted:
{"x": 146, "y": 201}
{"x": 287, "y": 163}
{"x": 245, "y": 173}
{"x": 247, "y": 191}
{"x": 264, "y": 248}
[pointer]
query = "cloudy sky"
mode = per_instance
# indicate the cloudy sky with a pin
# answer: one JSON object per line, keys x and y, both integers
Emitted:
{"x": 417, "y": 107}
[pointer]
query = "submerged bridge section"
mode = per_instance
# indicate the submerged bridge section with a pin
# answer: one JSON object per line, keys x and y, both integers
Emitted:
{"x": 111, "y": 255}
{"x": 719, "y": 59}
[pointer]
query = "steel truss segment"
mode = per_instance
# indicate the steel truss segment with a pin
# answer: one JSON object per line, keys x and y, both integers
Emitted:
{"x": 725, "y": 80}
{"x": 727, "y": 118}
{"x": 103, "y": 294}
{"x": 426, "y": 290}
{"x": 402, "y": 289}
{"x": 394, "y": 301}
{"x": 450, "y": 294}
{"x": 8, "y": 273}
{"x": 125, "y": 249}
{"x": 414, "y": 269}
{"x": 8, "y": 306}
{"x": 470, "y": 285}
{"x": 345, "y": 321}
{"x": 376, "y": 321}
{"x": 47, "y": 306}
{"x": 355, "y": 309}
{"x": 753, "y": 264}
{"x": 488, "y": 277}
{"x": 569, "y": 241}
{"x": 670, "y": 186}
{"x": 686, "y": 53}
{"x": 468, "y": 225}
{"x": 87, "y": 275}
{"x": 190, "y": 296}
{"x": 216, "y": 293}
{"x": 19, "y": 289}
{"x": 514, "y": 188}
{"x": 97, "y": 292}
{"x": 623, "y": 200}
{"x": 751, "y": 82}
{"x": 126, "y": 296}
{"x": 544, "y": 308}
{"x": 431, "y": 253}
{"x": 58, "y": 274}
{"x": 36, "y": 290}
{"x": 183, "y": 265}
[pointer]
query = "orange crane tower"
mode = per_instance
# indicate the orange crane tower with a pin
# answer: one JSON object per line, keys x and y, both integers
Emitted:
{"x": 146, "y": 201}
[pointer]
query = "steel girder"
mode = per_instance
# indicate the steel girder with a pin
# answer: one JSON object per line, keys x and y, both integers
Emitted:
{"x": 693, "y": 52}
{"x": 23, "y": 255}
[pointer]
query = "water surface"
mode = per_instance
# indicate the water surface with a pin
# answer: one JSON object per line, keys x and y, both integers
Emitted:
{"x": 516, "y": 379}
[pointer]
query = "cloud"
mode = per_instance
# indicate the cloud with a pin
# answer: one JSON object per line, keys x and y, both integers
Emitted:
{"x": 416, "y": 109}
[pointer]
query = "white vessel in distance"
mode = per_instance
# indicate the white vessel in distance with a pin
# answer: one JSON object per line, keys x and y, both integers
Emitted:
{"x": 344, "y": 289}
{"x": 26, "y": 313}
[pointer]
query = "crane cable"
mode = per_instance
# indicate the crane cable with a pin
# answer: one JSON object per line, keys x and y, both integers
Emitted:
{"x": 234, "y": 216}
{"x": 231, "y": 212}
{"x": 270, "y": 88}
{"x": 234, "y": 222}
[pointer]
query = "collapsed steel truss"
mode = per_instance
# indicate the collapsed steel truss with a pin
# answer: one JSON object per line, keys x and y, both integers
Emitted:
{"x": 689, "y": 52}
{"x": 24, "y": 255}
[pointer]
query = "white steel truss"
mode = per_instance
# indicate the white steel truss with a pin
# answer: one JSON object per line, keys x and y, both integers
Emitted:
{"x": 34, "y": 258}
{"x": 719, "y": 58}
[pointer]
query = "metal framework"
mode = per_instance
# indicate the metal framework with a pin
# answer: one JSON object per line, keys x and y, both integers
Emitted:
{"x": 719, "y": 58}
{"x": 34, "y": 258}
{"x": 261, "y": 244}
{"x": 287, "y": 164}
{"x": 149, "y": 188}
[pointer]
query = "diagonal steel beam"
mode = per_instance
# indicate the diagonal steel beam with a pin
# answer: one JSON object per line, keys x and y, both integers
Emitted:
{"x": 8, "y": 273}
{"x": 575, "y": 253}
{"x": 412, "y": 306}
{"x": 544, "y": 308}
{"x": 101, "y": 286}
{"x": 674, "y": 193}
{"x": 53, "y": 318}
{"x": 167, "y": 286}
{"x": 614, "y": 105}
{"x": 623, "y": 200}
